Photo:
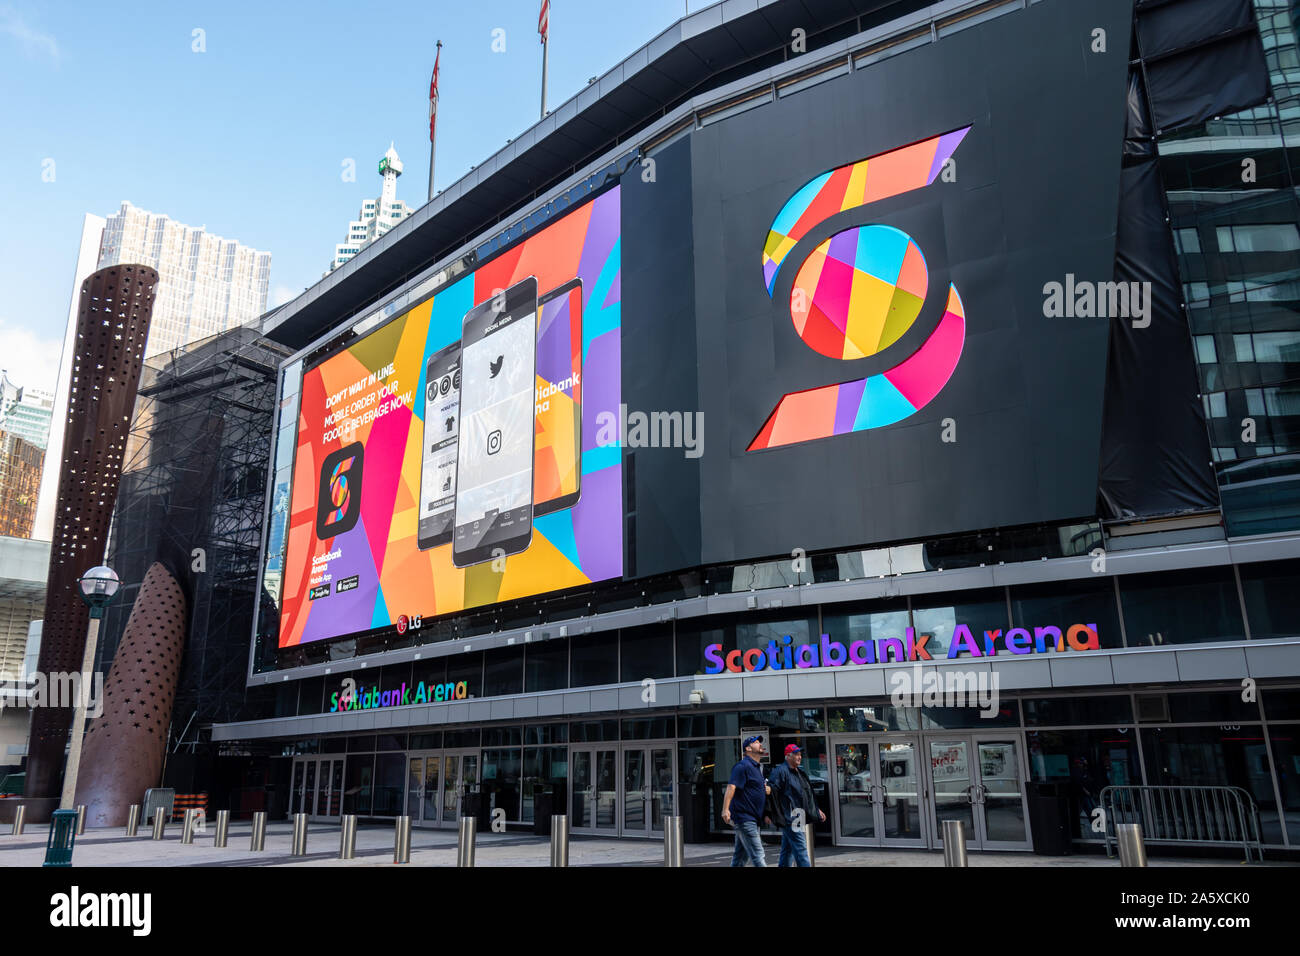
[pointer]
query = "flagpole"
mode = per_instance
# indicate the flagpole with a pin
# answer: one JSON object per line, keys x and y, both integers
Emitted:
{"x": 430, "y": 168}
{"x": 432, "y": 122}
{"x": 544, "y": 48}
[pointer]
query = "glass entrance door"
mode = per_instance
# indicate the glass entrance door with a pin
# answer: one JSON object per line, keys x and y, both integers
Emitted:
{"x": 952, "y": 785}
{"x": 427, "y": 811}
{"x": 329, "y": 802}
{"x": 898, "y": 795}
{"x": 1001, "y": 799}
{"x": 662, "y": 790}
{"x": 297, "y": 799}
{"x": 979, "y": 779}
{"x": 317, "y": 788}
{"x": 458, "y": 779}
{"x": 309, "y": 789}
{"x": 647, "y": 788}
{"x": 878, "y": 798}
{"x": 593, "y": 801}
{"x": 855, "y": 814}
{"x": 423, "y": 774}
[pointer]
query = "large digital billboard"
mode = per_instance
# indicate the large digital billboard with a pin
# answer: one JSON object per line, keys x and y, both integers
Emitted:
{"x": 453, "y": 457}
{"x": 841, "y": 291}
{"x": 862, "y": 292}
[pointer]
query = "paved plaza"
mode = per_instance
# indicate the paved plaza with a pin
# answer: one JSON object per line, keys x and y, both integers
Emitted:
{"x": 110, "y": 847}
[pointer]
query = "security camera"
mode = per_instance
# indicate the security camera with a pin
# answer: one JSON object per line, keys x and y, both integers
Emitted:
{"x": 697, "y": 697}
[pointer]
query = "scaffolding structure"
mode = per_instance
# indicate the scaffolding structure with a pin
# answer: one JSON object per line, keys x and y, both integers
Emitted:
{"x": 192, "y": 497}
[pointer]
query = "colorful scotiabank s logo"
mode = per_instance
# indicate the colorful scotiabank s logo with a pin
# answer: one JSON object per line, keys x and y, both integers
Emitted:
{"x": 338, "y": 502}
{"x": 857, "y": 293}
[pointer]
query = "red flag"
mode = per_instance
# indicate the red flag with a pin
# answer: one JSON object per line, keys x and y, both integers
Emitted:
{"x": 543, "y": 18}
{"x": 433, "y": 93}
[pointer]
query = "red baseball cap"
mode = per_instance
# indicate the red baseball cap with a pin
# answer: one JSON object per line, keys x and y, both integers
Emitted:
{"x": 791, "y": 749}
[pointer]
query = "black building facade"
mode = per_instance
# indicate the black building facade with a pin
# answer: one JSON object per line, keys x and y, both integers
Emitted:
{"x": 1063, "y": 483}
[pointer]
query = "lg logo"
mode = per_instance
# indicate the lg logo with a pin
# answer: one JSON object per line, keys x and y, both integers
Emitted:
{"x": 413, "y": 622}
{"x": 855, "y": 295}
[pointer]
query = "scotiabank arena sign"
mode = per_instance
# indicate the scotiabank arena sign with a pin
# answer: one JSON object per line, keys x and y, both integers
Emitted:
{"x": 784, "y": 654}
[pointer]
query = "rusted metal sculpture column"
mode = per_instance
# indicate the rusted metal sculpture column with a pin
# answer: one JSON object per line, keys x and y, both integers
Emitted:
{"x": 123, "y": 752}
{"x": 112, "y": 326}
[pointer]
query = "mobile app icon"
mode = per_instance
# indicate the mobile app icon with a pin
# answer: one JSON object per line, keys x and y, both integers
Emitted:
{"x": 338, "y": 502}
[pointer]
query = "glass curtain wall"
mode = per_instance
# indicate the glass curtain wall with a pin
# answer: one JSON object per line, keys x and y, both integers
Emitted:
{"x": 1231, "y": 187}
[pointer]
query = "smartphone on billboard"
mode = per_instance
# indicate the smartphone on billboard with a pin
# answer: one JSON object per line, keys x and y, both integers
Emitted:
{"x": 438, "y": 448}
{"x": 494, "y": 459}
{"x": 557, "y": 468}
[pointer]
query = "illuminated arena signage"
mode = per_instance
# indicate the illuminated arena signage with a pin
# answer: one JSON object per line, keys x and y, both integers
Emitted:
{"x": 420, "y": 693}
{"x": 786, "y": 655}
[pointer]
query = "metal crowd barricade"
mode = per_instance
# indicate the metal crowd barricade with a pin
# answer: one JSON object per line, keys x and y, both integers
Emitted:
{"x": 159, "y": 798}
{"x": 1185, "y": 816}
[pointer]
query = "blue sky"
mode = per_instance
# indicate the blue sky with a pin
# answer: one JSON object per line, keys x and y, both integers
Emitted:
{"x": 248, "y": 137}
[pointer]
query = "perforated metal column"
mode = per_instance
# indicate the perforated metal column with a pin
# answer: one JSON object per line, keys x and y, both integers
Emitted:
{"x": 123, "y": 752}
{"x": 112, "y": 326}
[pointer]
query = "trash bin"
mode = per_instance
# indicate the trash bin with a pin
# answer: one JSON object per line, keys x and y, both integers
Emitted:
{"x": 543, "y": 807}
{"x": 63, "y": 834}
{"x": 472, "y": 804}
{"x": 1049, "y": 818}
{"x": 695, "y": 813}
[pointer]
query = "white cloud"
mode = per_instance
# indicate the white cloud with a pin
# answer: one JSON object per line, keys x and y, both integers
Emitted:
{"x": 280, "y": 295}
{"x": 29, "y": 359}
{"x": 33, "y": 42}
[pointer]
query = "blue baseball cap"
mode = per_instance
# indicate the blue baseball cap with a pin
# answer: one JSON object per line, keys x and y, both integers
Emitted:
{"x": 750, "y": 740}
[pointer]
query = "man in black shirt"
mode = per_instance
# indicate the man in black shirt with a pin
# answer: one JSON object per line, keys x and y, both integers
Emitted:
{"x": 792, "y": 791}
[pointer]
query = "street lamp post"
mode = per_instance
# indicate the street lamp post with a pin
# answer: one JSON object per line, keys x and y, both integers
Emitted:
{"x": 97, "y": 587}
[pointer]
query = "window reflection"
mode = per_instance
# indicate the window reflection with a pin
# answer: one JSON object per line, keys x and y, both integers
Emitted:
{"x": 1272, "y": 599}
{"x": 1084, "y": 761}
{"x": 978, "y": 610}
{"x": 1181, "y": 607}
{"x": 1229, "y": 756}
{"x": 501, "y": 772}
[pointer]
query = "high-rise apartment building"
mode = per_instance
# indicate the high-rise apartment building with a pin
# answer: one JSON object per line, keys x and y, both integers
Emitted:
{"x": 25, "y": 414}
{"x": 377, "y": 215}
{"x": 25, "y": 411}
{"x": 20, "y": 484}
{"x": 206, "y": 284}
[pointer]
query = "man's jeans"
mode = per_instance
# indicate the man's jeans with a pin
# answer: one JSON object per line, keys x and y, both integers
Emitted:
{"x": 749, "y": 848}
{"x": 793, "y": 848}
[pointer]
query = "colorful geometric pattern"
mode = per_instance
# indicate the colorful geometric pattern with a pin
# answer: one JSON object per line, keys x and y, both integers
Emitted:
{"x": 559, "y": 378}
{"x": 875, "y": 401}
{"x": 859, "y": 291}
{"x": 571, "y": 547}
{"x": 847, "y": 187}
{"x": 339, "y": 490}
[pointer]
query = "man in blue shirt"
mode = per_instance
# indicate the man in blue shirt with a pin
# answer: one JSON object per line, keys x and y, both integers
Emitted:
{"x": 742, "y": 805}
